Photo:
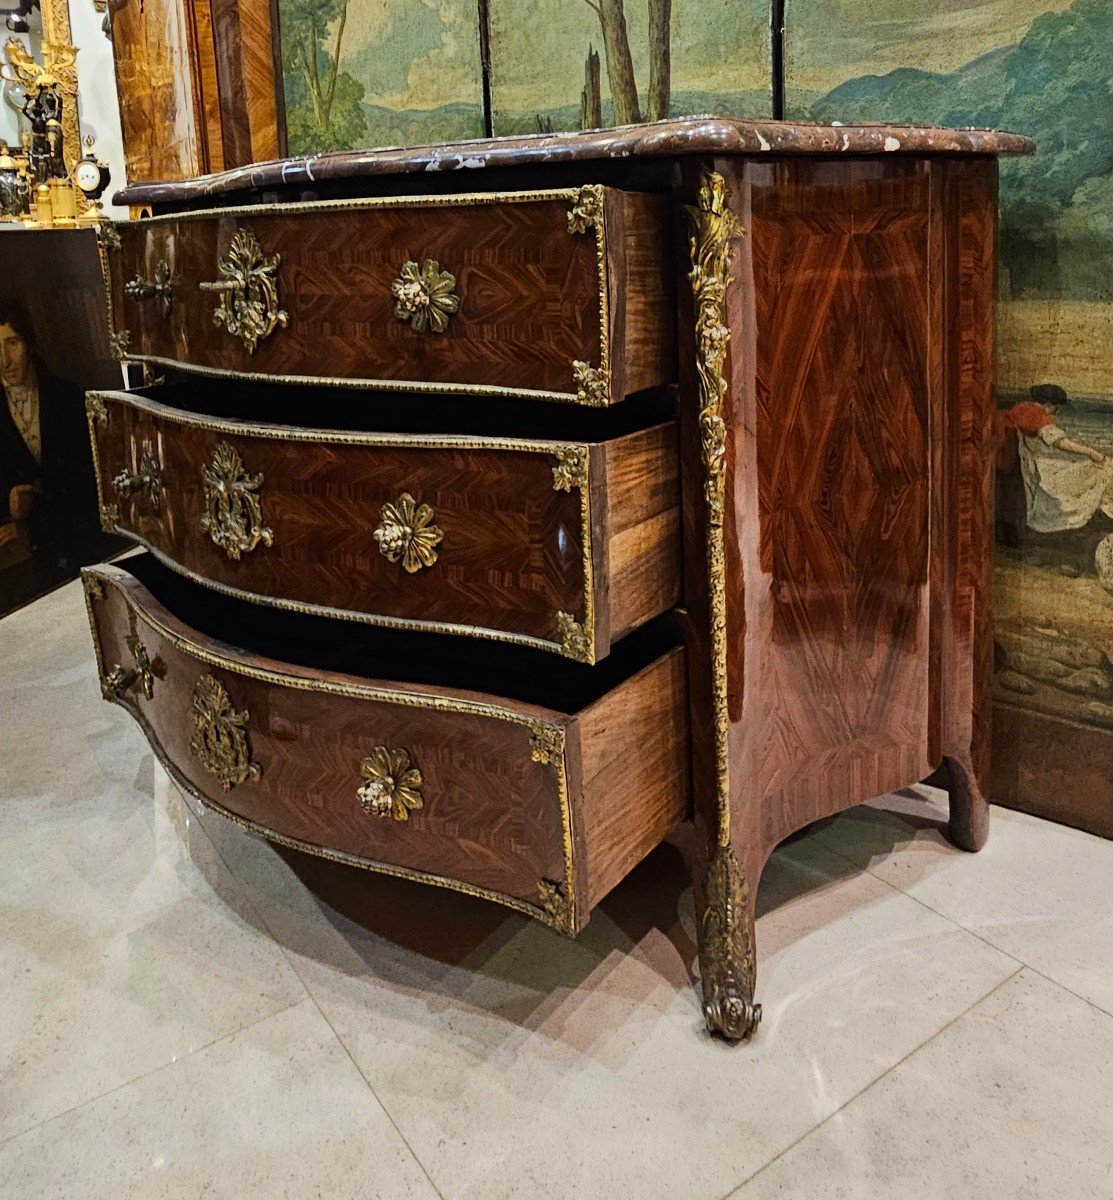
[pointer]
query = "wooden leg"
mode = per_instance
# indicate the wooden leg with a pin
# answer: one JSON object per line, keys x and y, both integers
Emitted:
{"x": 725, "y": 915}
{"x": 968, "y": 827}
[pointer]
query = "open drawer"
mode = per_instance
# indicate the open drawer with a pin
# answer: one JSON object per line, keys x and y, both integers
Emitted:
{"x": 555, "y": 542}
{"x": 345, "y": 746}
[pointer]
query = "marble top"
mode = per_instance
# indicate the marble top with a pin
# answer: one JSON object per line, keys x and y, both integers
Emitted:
{"x": 655, "y": 139}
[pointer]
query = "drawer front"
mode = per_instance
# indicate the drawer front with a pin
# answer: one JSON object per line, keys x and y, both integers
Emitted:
{"x": 469, "y": 791}
{"x": 499, "y": 539}
{"x": 564, "y": 295}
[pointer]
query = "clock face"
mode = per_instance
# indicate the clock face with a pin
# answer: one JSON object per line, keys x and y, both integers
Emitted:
{"x": 87, "y": 175}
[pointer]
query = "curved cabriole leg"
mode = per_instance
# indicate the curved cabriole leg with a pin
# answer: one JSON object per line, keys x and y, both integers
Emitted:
{"x": 726, "y": 949}
{"x": 968, "y": 826}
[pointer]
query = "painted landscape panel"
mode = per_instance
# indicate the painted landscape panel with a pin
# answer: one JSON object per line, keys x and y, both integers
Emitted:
{"x": 1040, "y": 67}
{"x": 363, "y": 73}
{"x": 586, "y": 64}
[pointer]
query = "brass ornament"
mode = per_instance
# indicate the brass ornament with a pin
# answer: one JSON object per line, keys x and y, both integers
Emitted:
{"x": 233, "y": 515}
{"x": 406, "y": 533}
{"x": 118, "y": 342}
{"x": 391, "y": 784}
{"x": 557, "y": 904}
{"x": 109, "y": 234}
{"x": 145, "y": 483}
{"x": 425, "y": 296}
{"x": 120, "y": 678}
{"x": 160, "y": 289}
{"x": 587, "y": 209}
{"x": 219, "y": 734}
{"x": 726, "y": 950}
{"x": 109, "y": 517}
{"x": 96, "y": 408}
{"x": 714, "y": 228}
{"x": 94, "y": 588}
{"x": 571, "y": 469}
{"x": 592, "y": 383}
{"x": 573, "y": 637}
{"x": 546, "y": 743}
{"x": 248, "y": 288}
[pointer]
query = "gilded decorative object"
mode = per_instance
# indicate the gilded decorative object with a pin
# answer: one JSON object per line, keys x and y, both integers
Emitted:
{"x": 391, "y": 784}
{"x": 726, "y": 950}
{"x": 406, "y": 533}
{"x": 109, "y": 234}
{"x": 145, "y": 483}
{"x": 248, "y": 288}
{"x": 714, "y": 228}
{"x": 546, "y": 743}
{"x": 557, "y": 904}
{"x": 233, "y": 515}
{"x": 587, "y": 209}
{"x": 425, "y": 296}
{"x": 94, "y": 589}
{"x": 109, "y": 517}
{"x": 571, "y": 469}
{"x": 592, "y": 383}
{"x": 118, "y": 342}
{"x": 573, "y": 637}
{"x": 96, "y": 408}
{"x": 219, "y": 735}
{"x": 159, "y": 289}
{"x": 120, "y": 678}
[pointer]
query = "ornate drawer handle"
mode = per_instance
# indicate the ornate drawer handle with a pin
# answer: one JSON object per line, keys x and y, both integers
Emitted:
{"x": 391, "y": 784}
{"x": 425, "y": 296}
{"x": 248, "y": 288}
{"x": 406, "y": 532}
{"x": 233, "y": 515}
{"x": 220, "y": 734}
{"x": 120, "y": 678}
{"x": 159, "y": 289}
{"x": 145, "y": 483}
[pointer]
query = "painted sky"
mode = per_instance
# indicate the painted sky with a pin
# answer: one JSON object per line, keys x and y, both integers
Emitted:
{"x": 829, "y": 41}
{"x": 414, "y": 53}
{"x": 538, "y": 48}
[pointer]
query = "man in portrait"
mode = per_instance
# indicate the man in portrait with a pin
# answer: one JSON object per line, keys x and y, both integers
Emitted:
{"x": 46, "y": 483}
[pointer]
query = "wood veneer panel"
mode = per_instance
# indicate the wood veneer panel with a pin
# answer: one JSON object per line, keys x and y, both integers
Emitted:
{"x": 153, "y": 44}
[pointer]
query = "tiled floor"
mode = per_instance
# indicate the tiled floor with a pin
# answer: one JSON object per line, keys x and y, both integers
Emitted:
{"x": 185, "y": 1012}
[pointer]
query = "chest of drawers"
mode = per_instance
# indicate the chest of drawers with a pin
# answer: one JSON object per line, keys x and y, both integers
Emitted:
{"x": 638, "y": 491}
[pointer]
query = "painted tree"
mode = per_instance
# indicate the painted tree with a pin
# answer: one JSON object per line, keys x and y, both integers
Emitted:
{"x": 323, "y": 103}
{"x": 660, "y": 60}
{"x": 620, "y": 64}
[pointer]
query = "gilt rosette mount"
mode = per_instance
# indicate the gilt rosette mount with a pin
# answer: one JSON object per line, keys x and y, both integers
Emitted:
{"x": 220, "y": 734}
{"x": 425, "y": 296}
{"x": 406, "y": 533}
{"x": 391, "y": 784}
{"x": 233, "y": 516}
{"x": 248, "y": 287}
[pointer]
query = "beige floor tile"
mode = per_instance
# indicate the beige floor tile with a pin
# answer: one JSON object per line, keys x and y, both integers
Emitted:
{"x": 126, "y": 942}
{"x": 1038, "y": 891}
{"x": 1011, "y": 1102}
{"x": 517, "y": 1063}
{"x": 276, "y": 1110}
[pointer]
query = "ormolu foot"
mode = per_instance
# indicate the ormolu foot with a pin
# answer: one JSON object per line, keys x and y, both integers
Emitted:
{"x": 726, "y": 950}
